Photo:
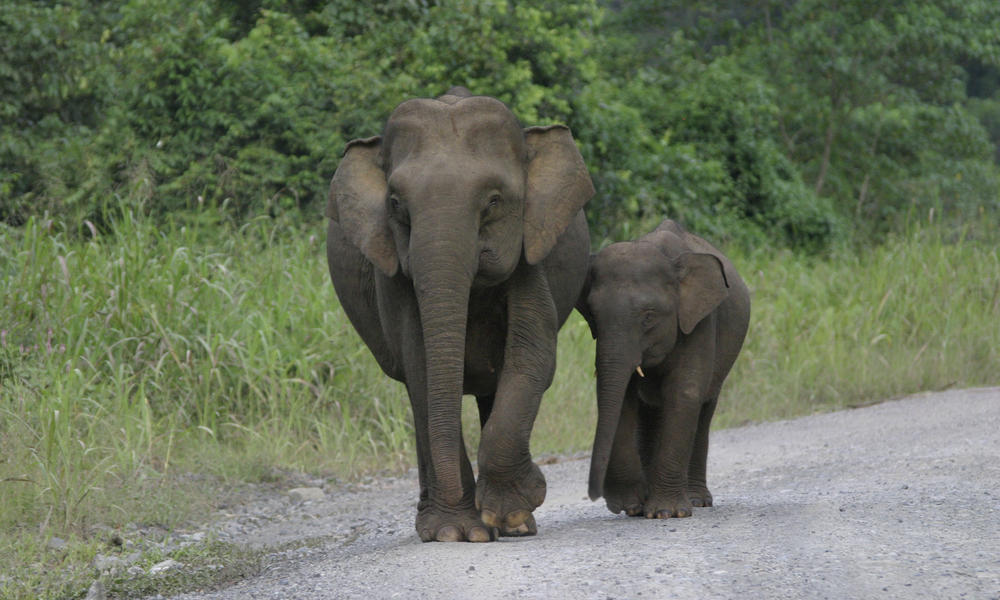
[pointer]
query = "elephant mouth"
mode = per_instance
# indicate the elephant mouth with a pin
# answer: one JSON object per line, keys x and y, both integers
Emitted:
{"x": 491, "y": 270}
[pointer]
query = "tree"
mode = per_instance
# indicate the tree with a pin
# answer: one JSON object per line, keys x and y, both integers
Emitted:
{"x": 862, "y": 83}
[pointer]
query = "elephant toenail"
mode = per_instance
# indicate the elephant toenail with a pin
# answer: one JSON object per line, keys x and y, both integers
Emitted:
{"x": 517, "y": 518}
{"x": 449, "y": 533}
{"x": 490, "y": 518}
{"x": 479, "y": 534}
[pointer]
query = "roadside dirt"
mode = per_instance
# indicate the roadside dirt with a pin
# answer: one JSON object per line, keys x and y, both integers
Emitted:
{"x": 896, "y": 500}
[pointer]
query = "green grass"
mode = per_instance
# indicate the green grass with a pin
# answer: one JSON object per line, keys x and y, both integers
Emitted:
{"x": 145, "y": 371}
{"x": 917, "y": 313}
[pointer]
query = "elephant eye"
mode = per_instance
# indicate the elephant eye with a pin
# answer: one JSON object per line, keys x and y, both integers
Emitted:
{"x": 492, "y": 204}
{"x": 494, "y": 201}
{"x": 397, "y": 210}
{"x": 648, "y": 319}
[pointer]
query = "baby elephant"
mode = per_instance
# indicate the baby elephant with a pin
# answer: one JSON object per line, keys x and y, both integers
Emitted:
{"x": 669, "y": 313}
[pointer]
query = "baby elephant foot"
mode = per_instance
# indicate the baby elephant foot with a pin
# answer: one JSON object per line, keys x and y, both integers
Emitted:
{"x": 666, "y": 506}
{"x": 699, "y": 496}
{"x": 627, "y": 497}
{"x": 436, "y": 524}
{"x": 507, "y": 503}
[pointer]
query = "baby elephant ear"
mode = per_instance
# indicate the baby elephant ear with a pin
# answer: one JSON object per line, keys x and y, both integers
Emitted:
{"x": 558, "y": 186}
{"x": 703, "y": 287}
{"x": 357, "y": 203}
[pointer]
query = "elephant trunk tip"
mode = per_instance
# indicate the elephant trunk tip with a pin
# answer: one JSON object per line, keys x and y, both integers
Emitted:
{"x": 598, "y": 467}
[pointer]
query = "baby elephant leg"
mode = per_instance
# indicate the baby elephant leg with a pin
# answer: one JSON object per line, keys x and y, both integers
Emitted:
{"x": 697, "y": 487}
{"x": 667, "y": 472}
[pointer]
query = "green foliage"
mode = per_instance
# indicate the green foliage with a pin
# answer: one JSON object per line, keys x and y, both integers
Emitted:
{"x": 249, "y": 107}
{"x": 824, "y": 119}
{"x": 52, "y": 97}
{"x": 700, "y": 146}
{"x": 872, "y": 98}
{"x": 785, "y": 121}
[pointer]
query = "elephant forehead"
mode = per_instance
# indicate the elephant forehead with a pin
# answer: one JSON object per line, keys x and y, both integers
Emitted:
{"x": 632, "y": 263}
{"x": 475, "y": 126}
{"x": 418, "y": 175}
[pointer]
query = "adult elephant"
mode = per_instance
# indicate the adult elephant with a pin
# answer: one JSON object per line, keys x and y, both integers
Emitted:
{"x": 457, "y": 245}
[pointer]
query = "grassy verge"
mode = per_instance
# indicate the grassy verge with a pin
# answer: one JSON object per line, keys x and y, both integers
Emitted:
{"x": 916, "y": 313}
{"x": 144, "y": 370}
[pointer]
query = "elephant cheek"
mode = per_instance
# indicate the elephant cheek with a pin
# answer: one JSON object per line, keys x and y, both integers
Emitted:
{"x": 659, "y": 342}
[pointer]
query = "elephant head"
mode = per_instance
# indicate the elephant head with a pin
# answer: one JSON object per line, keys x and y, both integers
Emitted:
{"x": 455, "y": 194}
{"x": 640, "y": 299}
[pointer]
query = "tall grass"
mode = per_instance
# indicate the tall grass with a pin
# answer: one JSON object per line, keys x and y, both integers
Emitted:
{"x": 919, "y": 312}
{"x": 148, "y": 352}
{"x": 133, "y": 363}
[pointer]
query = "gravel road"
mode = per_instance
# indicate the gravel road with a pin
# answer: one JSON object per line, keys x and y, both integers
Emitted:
{"x": 896, "y": 500}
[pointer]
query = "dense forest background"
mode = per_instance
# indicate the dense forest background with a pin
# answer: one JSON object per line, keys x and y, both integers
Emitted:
{"x": 801, "y": 123}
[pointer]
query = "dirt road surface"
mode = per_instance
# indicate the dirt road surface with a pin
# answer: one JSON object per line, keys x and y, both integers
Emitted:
{"x": 896, "y": 500}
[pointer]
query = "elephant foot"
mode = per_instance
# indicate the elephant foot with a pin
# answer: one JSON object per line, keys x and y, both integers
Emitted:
{"x": 666, "y": 506}
{"x": 699, "y": 496}
{"x": 435, "y": 524}
{"x": 507, "y": 503}
{"x": 627, "y": 497}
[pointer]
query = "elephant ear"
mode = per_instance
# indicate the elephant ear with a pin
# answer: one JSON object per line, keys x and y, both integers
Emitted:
{"x": 703, "y": 287}
{"x": 558, "y": 186}
{"x": 357, "y": 203}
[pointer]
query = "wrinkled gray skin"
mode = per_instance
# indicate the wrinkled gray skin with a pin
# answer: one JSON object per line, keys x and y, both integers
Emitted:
{"x": 457, "y": 245}
{"x": 669, "y": 313}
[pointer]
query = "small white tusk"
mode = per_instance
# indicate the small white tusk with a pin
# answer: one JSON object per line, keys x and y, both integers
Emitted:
{"x": 638, "y": 369}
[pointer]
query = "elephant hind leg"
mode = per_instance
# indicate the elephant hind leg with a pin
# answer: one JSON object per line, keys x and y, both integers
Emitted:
{"x": 485, "y": 404}
{"x": 697, "y": 486}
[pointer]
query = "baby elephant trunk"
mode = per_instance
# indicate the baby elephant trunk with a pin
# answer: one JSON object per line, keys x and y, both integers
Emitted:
{"x": 615, "y": 367}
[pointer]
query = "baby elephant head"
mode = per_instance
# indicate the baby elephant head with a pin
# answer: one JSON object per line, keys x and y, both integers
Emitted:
{"x": 641, "y": 295}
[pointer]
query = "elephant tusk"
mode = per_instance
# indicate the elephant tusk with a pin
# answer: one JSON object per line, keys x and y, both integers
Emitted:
{"x": 638, "y": 369}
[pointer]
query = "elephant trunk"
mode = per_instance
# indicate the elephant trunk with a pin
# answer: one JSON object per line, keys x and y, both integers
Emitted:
{"x": 615, "y": 366}
{"x": 443, "y": 267}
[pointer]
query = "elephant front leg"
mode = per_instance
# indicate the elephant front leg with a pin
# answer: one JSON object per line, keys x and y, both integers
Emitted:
{"x": 510, "y": 485}
{"x": 667, "y": 471}
{"x": 683, "y": 393}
